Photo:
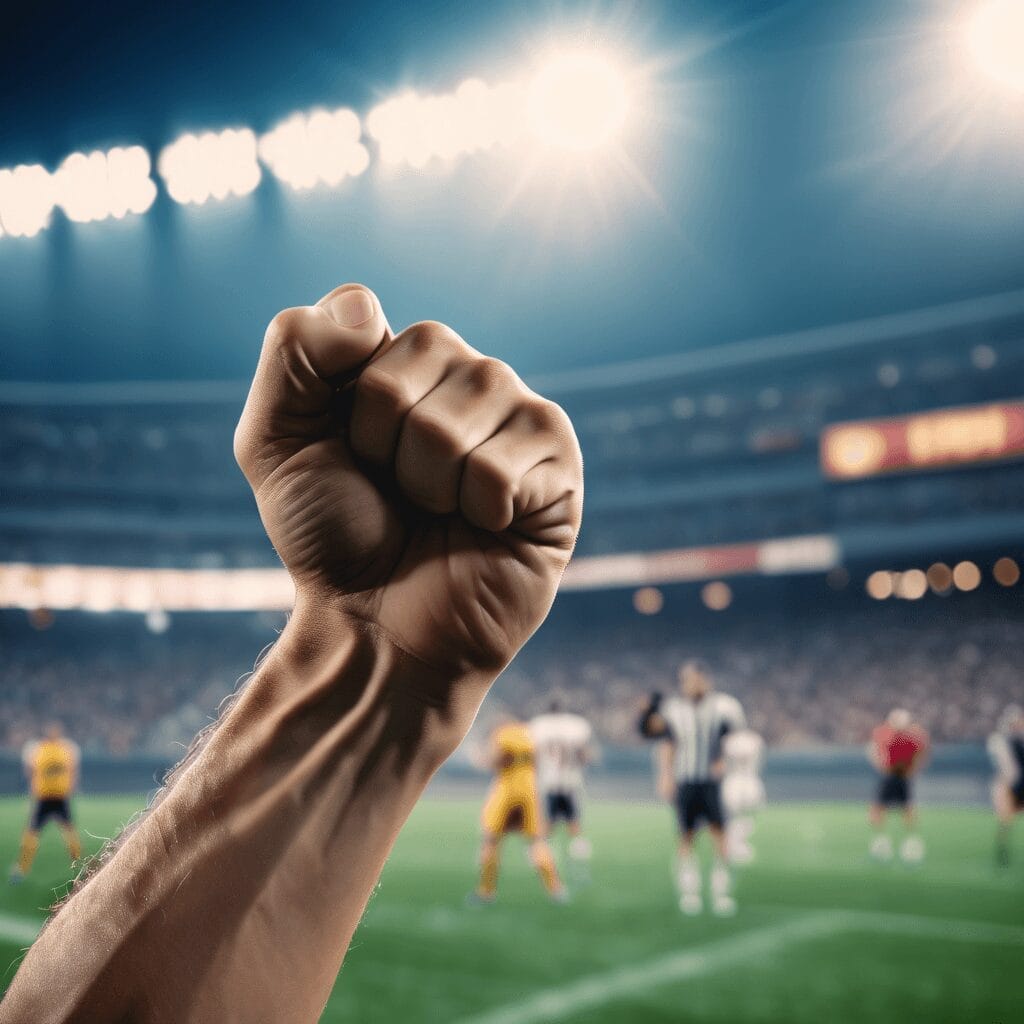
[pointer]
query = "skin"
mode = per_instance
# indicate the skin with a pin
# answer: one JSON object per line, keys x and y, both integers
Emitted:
{"x": 694, "y": 685}
{"x": 425, "y": 503}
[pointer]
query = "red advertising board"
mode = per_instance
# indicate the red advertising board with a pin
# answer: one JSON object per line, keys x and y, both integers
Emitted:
{"x": 944, "y": 437}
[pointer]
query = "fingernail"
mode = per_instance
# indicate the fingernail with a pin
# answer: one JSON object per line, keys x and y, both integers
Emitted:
{"x": 352, "y": 308}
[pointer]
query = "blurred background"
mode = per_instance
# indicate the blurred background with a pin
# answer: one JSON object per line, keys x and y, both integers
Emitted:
{"x": 768, "y": 255}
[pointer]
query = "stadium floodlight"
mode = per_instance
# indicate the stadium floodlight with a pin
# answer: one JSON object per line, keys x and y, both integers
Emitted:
{"x": 98, "y": 185}
{"x": 26, "y": 200}
{"x": 578, "y": 101}
{"x": 413, "y": 129}
{"x": 995, "y": 37}
{"x": 321, "y": 147}
{"x": 212, "y": 165}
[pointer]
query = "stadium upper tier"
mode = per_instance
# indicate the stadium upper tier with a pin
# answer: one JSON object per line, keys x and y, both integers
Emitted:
{"x": 708, "y": 447}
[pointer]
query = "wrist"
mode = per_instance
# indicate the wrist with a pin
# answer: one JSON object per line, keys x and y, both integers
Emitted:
{"x": 326, "y": 646}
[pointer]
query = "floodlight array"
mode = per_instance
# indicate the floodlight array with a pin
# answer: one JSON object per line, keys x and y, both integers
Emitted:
{"x": 322, "y": 147}
{"x": 212, "y": 165}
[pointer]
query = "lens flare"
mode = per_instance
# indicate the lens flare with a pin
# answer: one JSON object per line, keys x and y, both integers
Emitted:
{"x": 578, "y": 101}
{"x": 995, "y": 37}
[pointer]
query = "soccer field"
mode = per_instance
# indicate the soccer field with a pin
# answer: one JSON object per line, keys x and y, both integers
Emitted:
{"x": 821, "y": 933}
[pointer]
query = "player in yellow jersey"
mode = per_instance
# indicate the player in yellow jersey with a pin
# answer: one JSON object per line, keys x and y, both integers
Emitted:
{"x": 514, "y": 806}
{"x": 51, "y": 765}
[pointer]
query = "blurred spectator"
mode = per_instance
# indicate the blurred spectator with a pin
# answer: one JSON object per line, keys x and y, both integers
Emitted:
{"x": 807, "y": 676}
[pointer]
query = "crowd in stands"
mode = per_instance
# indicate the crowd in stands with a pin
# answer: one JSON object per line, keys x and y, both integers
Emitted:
{"x": 814, "y": 677}
{"x": 710, "y": 451}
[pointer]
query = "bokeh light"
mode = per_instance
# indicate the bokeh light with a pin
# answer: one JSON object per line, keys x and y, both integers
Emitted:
{"x": 717, "y": 595}
{"x": 26, "y": 199}
{"x": 413, "y": 129}
{"x": 213, "y": 165}
{"x": 966, "y": 576}
{"x": 879, "y": 585}
{"x": 648, "y": 600}
{"x": 940, "y": 578}
{"x": 98, "y": 185}
{"x": 319, "y": 148}
{"x": 1006, "y": 572}
{"x": 911, "y": 585}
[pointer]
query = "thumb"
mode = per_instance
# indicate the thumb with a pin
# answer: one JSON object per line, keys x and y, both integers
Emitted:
{"x": 305, "y": 350}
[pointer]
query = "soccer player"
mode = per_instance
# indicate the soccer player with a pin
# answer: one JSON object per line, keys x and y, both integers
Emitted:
{"x": 898, "y": 751}
{"x": 426, "y": 503}
{"x": 742, "y": 791}
{"x": 513, "y": 806}
{"x": 564, "y": 745}
{"x": 694, "y": 726}
{"x": 51, "y": 766}
{"x": 1006, "y": 748}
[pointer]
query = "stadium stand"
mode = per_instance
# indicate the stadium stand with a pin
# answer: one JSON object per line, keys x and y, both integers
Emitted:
{"x": 703, "y": 448}
{"x": 841, "y": 662}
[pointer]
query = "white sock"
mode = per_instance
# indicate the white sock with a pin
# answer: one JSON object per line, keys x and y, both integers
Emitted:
{"x": 912, "y": 849}
{"x": 579, "y": 848}
{"x": 688, "y": 877}
{"x": 721, "y": 879}
{"x": 881, "y": 846}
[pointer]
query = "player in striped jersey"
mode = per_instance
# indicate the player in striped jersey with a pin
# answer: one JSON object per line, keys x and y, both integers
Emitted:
{"x": 694, "y": 726}
{"x": 1006, "y": 748}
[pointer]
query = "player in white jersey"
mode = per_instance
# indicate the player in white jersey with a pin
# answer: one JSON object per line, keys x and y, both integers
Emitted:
{"x": 742, "y": 791}
{"x": 694, "y": 726}
{"x": 1006, "y": 748}
{"x": 563, "y": 747}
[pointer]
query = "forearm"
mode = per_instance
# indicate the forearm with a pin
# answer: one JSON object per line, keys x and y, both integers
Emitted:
{"x": 236, "y": 898}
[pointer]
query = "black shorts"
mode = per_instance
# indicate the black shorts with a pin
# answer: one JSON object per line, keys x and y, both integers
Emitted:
{"x": 698, "y": 802}
{"x": 562, "y": 806}
{"x": 44, "y": 810}
{"x": 894, "y": 791}
{"x": 1017, "y": 792}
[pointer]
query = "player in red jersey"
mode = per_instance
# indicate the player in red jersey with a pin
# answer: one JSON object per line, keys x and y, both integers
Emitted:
{"x": 898, "y": 750}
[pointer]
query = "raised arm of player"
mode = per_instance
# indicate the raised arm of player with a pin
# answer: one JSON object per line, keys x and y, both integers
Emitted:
{"x": 426, "y": 503}
{"x": 652, "y": 724}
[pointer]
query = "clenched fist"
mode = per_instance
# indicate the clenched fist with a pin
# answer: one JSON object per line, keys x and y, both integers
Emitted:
{"x": 410, "y": 481}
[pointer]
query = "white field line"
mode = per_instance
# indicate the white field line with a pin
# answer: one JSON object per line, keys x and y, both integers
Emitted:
{"x": 555, "y": 1004}
{"x": 22, "y": 930}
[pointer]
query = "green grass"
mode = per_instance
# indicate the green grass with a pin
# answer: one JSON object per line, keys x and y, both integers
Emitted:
{"x": 420, "y": 955}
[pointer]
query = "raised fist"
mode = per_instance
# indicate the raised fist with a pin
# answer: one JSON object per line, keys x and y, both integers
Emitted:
{"x": 409, "y": 481}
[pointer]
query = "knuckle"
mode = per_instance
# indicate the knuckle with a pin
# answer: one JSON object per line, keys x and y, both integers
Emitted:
{"x": 489, "y": 374}
{"x": 543, "y": 415}
{"x": 438, "y": 432}
{"x": 429, "y": 336}
{"x": 489, "y": 472}
{"x": 384, "y": 388}
{"x": 286, "y": 330}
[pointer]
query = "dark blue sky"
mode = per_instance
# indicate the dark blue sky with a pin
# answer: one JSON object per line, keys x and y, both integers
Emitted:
{"x": 808, "y": 162}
